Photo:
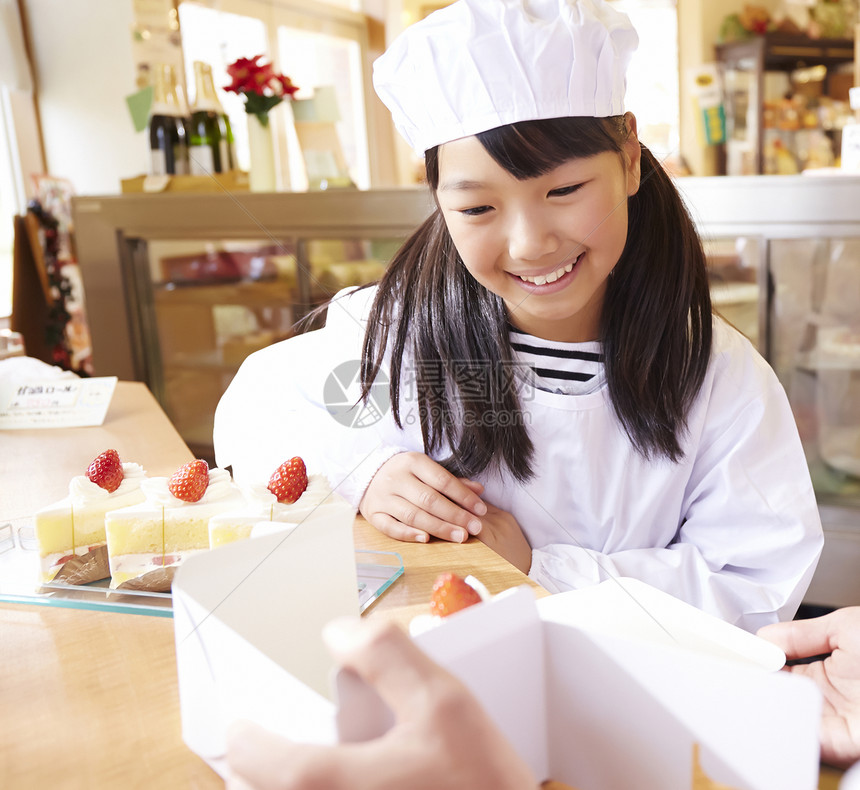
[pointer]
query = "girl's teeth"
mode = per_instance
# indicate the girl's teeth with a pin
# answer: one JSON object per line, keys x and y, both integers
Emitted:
{"x": 542, "y": 279}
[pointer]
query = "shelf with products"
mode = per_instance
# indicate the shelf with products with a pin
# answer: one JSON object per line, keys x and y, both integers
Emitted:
{"x": 786, "y": 101}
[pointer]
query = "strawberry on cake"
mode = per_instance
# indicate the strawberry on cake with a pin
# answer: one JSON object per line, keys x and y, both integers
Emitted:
{"x": 146, "y": 542}
{"x": 71, "y": 533}
{"x": 450, "y": 594}
{"x": 290, "y": 496}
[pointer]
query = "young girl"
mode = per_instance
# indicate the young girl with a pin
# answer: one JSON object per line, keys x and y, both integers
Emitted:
{"x": 557, "y": 383}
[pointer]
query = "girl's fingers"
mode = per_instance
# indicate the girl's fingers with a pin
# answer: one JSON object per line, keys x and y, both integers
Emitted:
{"x": 404, "y": 518}
{"x": 413, "y": 516}
{"x": 424, "y": 507}
{"x": 440, "y": 479}
{"x": 403, "y": 521}
{"x": 477, "y": 487}
{"x": 390, "y": 526}
{"x": 412, "y": 497}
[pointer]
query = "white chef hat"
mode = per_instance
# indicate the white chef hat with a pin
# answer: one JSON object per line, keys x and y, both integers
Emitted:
{"x": 479, "y": 64}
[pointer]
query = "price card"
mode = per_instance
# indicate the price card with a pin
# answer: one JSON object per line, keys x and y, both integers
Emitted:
{"x": 55, "y": 403}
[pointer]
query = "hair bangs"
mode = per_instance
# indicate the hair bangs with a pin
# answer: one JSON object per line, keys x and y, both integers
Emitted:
{"x": 532, "y": 148}
{"x": 528, "y": 149}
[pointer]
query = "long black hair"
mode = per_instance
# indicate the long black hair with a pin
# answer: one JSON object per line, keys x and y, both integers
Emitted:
{"x": 655, "y": 326}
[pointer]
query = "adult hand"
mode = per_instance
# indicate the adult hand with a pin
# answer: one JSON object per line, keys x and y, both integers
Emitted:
{"x": 838, "y": 676}
{"x": 501, "y": 532}
{"x": 412, "y": 497}
{"x": 442, "y": 737}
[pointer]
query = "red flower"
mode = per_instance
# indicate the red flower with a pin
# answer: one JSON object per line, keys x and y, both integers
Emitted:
{"x": 287, "y": 87}
{"x": 242, "y": 73}
{"x": 261, "y": 86}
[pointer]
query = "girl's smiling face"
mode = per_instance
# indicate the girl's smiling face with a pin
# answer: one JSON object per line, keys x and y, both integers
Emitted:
{"x": 545, "y": 245}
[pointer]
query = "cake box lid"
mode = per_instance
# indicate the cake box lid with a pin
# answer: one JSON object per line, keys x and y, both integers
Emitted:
{"x": 617, "y": 669}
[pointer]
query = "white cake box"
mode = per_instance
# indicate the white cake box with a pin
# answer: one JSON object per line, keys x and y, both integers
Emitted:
{"x": 616, "y": 686}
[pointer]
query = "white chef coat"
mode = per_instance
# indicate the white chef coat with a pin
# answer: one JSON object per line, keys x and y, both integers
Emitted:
{"x": 732, "y": 529}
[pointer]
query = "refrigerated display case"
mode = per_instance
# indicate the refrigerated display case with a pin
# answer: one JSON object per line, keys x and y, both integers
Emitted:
{"x": 203, "y": 281}
{"x": 807, "y": 232}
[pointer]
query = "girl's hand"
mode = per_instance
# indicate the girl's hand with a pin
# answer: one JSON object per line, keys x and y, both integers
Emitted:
{"x": 412, "y": 497}
{"x": 503, "y": 534}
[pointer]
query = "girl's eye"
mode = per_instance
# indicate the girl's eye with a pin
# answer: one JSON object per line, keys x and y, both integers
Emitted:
{"x": 562, "y": 191}
{"x": 476, "y": 211}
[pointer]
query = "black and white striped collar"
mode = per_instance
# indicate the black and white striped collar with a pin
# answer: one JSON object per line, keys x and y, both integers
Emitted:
{"x": 568, "y": 368}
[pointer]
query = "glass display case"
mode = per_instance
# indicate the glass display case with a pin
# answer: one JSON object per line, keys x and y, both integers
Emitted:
{"x": 207, "y": 280}
{"x": 734, "y": 271}
{"x": 815, "y": 349}
{"x": 806, "y": 234}
{"x": 214, "y": 301}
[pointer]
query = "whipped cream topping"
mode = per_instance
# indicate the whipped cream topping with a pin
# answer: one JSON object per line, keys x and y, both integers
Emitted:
{"x": 220, "y": 486}
{"x": 83, "y": 491}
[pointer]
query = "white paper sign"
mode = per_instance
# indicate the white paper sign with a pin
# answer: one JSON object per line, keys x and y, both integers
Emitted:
{"x": 55, "y": 403}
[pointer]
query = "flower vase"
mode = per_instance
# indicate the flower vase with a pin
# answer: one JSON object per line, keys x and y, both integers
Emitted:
{"x": 261, "y": 144}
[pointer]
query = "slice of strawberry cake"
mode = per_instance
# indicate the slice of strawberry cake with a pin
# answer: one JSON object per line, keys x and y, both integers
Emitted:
{"x": 290, "y": 496}
{"x": 148, "y": 541}
{"x": 71, "y": 533}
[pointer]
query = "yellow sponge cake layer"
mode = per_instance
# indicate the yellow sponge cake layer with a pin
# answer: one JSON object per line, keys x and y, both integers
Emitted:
{"x": 162, "y": 531}
{"x": 132, "y": 530}
{"x": 231, "y": 527}
{"x": 76, "y": 524}
{"x": 65, "y": 525}
{"x": 184, "y": 532}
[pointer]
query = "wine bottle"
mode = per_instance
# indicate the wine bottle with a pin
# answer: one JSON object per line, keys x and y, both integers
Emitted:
{"x": 210, "y": 132}
{"x": 231, "y": 143}
{"x": 168, "y": 131}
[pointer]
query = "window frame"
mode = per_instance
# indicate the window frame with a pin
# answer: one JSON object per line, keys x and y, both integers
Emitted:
{"x": 315, "y": 17}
